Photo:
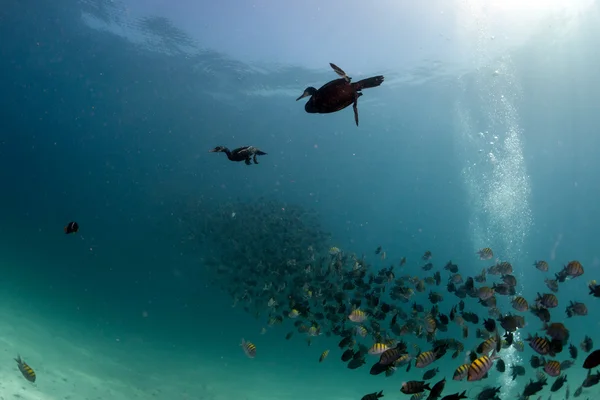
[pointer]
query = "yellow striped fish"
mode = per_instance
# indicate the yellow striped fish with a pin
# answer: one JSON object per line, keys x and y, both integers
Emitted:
{"x": 487, "y": 346}
{"x": 378, "y": 348}
{"x": 539, "y": 344}
{"x": 249, "y": 349}
{"x": 25, "y": 369}
{"x": 461, "y": 372}
{"x": 520, "y": 304}
{"x": 424, "y": 359}
{"x": 430, "y": 324}
{"x": 357, "y": 316}
{"x": 361, "y": 331}
{"x": 480, "y": 367}
{"x": 552, "y": 368}
{"x": 485, "y": 253}
{"x": 324, "y": 355}
{"x": 519, "y": 345}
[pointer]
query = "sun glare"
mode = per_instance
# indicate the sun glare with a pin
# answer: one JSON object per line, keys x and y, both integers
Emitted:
{"x": 537, "y": 8}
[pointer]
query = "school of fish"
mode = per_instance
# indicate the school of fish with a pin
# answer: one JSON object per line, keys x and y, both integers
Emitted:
{"x": 404, "y": 315}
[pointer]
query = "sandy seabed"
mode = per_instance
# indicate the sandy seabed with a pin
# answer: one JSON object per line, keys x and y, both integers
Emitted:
{"x": 76, "y": 361}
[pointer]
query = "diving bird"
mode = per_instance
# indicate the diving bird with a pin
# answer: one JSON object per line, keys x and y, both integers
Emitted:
{"x": 245, "y": 153}
{"x": 338, "y": 94}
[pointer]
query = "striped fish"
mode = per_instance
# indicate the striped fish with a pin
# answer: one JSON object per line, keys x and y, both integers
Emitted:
{"x": 520, "y": 304}
{"x": 324, "y": 355}
{"x": 25, "y": 369}
{"x": 552, "y": 368}
{"x": 413, "y": 387}
{"x": 547, "y": 300}
{"x": 378, "y": 348}
{"x": 390, "y": 356}
{"x": 361, "y": 331}
{"x": 574, "y": 269}
{"x": 541, "y": 265}
{"x": 487, "y": 346}
{"x": 480, "y": 367}
{"x": 539, "y": 344}
{"x": 485, "y": 253}
{"x": 357, "y": 316}
{"x": 249, "y": 349}
{"x": 424, "y": 359}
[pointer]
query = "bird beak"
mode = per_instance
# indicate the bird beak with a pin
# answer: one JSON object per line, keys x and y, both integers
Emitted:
{"x": 212, "y": 151}
{"x": 305, "y": 94}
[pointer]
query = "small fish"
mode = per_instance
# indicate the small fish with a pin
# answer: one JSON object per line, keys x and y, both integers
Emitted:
{"x": 456, "y": 396}
{"x": 592, "y": 360}
{"x": 573, "y": 351}
{"x": 541, "y": 265}
{"x": 539, "y": 344}
{"x": 461, "y": 372}
{"x": 249, "y": 349}
{"x": 347, "y": 355}
{"x": 536, "y": 361}
{"x": 576, "y": 308}
{"x": 520, "y": 304}
{"x": 430, "y": 374}
{"x": 424, "y": 359}
{"x": 557, "y": 331}
{"x": 356, "y": 363}
{"x": 517, "y": 370}
{"x": 361, "y": 331}
{"x": 565, "y": 365}
{"x": 373, "y": 396}
{"x": 25, "y": 369}
{"x": 586, "y": 344}
{"x": 324, "y": 355}
{"x": 480, "y": 367}
{"x": 573, "y": 269}
{"x": 334, "y": 251}
{"x": 485, "y": 254}
{"x": 558, "y": 383}
{"x": 357, "y": 316}
{"x": 437, "y": 390}
{"x": 378, "y": 348}
{"x": 510, "y": 280}
{"x": 552, "y": 368}
{"x": 500, "y": 366}
{"x": 519, "y": 346}
{"x": 71, "y": 227}
{"x": 547, "y": 300}
{"x": 485, "y": 293}
{"x": 412, "y": 387}
{"x": 489, "y": 325}
{"x": 552, "y": 284}
{"x": 487, "y": 346}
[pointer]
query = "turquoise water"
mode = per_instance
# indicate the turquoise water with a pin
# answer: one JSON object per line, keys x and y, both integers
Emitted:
{"x": 107, "y": 119}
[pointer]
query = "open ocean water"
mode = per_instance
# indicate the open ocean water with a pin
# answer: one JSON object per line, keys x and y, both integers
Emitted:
{"x": 483, "y": 134}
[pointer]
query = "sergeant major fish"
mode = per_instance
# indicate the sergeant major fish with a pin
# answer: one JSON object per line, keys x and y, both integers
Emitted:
{"x": 25, "y": 369}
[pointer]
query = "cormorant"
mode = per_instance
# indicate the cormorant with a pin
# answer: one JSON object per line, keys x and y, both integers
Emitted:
{"x": 338, "y": 94}
{"x": 240, "y": 154}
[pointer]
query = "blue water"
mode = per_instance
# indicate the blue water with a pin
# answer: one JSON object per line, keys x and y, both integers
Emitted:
{"x": 112, "y": 130}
